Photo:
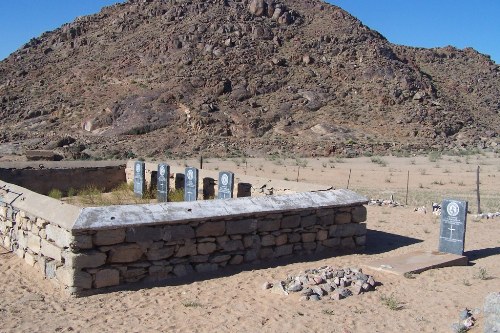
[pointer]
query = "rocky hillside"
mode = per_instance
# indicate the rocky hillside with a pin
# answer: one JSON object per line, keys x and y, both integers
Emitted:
{"x": 227, "y": 77}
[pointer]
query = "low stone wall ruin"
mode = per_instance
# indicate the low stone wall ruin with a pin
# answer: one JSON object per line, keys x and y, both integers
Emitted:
{"x": 84, "y": 250}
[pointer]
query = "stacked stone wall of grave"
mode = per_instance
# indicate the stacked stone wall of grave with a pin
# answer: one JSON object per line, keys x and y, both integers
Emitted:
{"x": 258, "y": 186}
{"x": 43, "y": 179}
{"x": 37, "y": 229}
{"x": 83, "y": 250}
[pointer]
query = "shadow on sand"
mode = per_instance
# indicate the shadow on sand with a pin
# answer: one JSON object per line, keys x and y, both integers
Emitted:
{"x": 483, "y": 253}
{"x": 379, "y": 242}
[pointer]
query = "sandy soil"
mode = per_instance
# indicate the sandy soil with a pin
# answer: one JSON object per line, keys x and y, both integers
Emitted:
{"x": 234, "y": 301}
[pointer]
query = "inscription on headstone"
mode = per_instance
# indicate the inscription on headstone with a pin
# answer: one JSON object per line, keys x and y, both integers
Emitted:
{"x": 453, "y": 223}
{"x": 162, "y": 182}
{"x": 226, "y": 185}
{"x": 139, "y": 178}
{"x": 191, "y": 184}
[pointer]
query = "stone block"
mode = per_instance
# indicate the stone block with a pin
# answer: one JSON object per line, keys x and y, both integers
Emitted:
{"x": 332, "y": 242}
{"x": 160, "y": 272}
{"x": 241, "y": 226}
{"x": 20, "y": 253}
{"x": 360, "y": 240}
{"x": 82, "y": 242}
{"x": 189, "y": 249}
{"x": 290, "y": 222}
{"x": 134, "y": 274}
{"x": 51, "y": 251}
{"x": 268, "y": 225}
{"x": 308, "y": 221}
{"x": 74, "y": 278}
{"x": 34, "y": 243}
{"x": 178, "y": 232}
{"x": 284, "y": 250}
{"x": 308, "y": 237}
{"x": 281, "y": 239}
{"x": 324, "y": 212}
{"x": 327, "y": 220}
{"x": 206, "y": 248}
{"x": 359, "y": 214}
{"x": 220, "y": 258}
{"x": 143, "y": 234}
{"x": 253, "y": 242}
{"x": 268, "y": 240}
{"x": 199, "y": 258}
{"x": 22, "y": 240}
{"x": 236, "y": 260}
{"x": 309, "y": 246}
{"x": 30, "y": 259}
{"x": 322, "y": 235}
{"x": 107, "y": 278}
{"x": 3, "y": 212}
{"x": 91, "y": 259}
{"x": 62, "y": 238}
{"x": 351, "y": 229}
{"x": 206, "y": 268}
{"x": 266, "y": 253}
{"x": 211, "y": 229}
{"x": 233, "y": 245}
{"x": 183, "y": 270}
{"x": 124, "y": 253}
{"x": 109, "y": 237}
{"x": 294, "y": 238}
{"x": 348, "y": 243}
{"x": 161, "y": 253}
{"x": 342, "y": 218}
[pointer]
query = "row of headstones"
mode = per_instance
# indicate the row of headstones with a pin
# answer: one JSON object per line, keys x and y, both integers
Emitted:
{"x": 191, "y": 182}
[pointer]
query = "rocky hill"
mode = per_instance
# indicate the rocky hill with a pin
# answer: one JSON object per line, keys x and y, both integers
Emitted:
{"x": 156, "y": 78}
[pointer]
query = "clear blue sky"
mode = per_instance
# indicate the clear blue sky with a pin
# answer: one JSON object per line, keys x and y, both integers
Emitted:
{"x": 425, "y": 23}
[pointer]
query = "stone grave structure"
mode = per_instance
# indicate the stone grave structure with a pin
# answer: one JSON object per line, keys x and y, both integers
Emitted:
{"x": 85, "y": 250}
{"x": 162, "y": 183}
{"x": 139, "y": 179}
{"x": 191, "y": 184}
{"x": 226, "y": 185}
{"x": 453, "y": 225}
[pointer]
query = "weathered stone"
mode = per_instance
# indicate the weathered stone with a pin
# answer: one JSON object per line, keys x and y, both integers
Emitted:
{"x": 107, "y": 278}
{"x": 290, "y": 222}
{"x": 281, "y": 240}
{"x": 62, "y": 238}
{"x": 283, "y": 250}
{"x": 91, "y": 259}
{"x": 211, "y": 229}
{"x": 308, "y": 221}
{"x": 257, "y": 7}
{"x": 308, "y": 237}
{"x": 360, "y": 240}
{"x": 294, "y": 238}
{"x": 22, "y": 240}
{"x": 251, "y": 255}
{"x": 109, "y": 237}
{"x": 241, "y": 226}
{"x": 50, "y": 250}
{"x": 179, "y": 232}
{"x": 189, "y": 249}
{"x": 33, "y": 243}
{"x": 161, "y": 253}
{"x": 268, "y": 225}
{"x": 134, "y": 274}
{"x": 124, "y": 253}
{"x": 348, "y": 243}
{"x": 206, "y": 248}
{"x": 233, "y": 245}
{"x": 72, "y": 278}
{"x": 268, "y": 240}
{"x": 30, "y": 259}
{"x": 309, "y": 246}
{"x": 359, "y": 214}
{"x": 221, "y": 258}
{"x": 252, "y": 241}
{"x": 142, "y": 234}
{"x": 342, "y": 218}
{"x": 236, "y": 260}
{"x": 205, "y": 268}
{"x": 351, "y": 229}
{"x": 332, "y": 242}
{"x": 160, "y": 272}
{"x": 322, "y": 235}
{"x": 492, "y": 312}
{"x": 183, "y": 270}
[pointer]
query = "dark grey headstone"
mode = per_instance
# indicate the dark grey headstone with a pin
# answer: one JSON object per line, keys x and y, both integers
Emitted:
{"x": 139, "y": 178}
{"x": 226, "y": 185}
{"x": 453, "y": 223}
{"x": 191, "y": 184}
{"x": 162, "y": 188}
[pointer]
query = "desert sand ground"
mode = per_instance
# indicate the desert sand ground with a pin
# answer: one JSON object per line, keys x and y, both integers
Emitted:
{"x": 234, "y": 301}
